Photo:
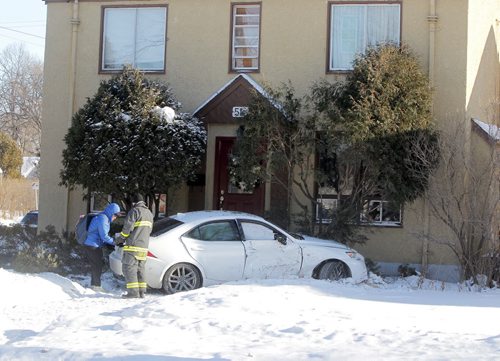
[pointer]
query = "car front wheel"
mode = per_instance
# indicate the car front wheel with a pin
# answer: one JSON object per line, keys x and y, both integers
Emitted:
{"x": 181, "y": 277}
{"x": 333, "y": 271}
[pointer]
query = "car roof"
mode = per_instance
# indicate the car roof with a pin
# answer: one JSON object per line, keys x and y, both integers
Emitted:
{"x": 196, "y": 216}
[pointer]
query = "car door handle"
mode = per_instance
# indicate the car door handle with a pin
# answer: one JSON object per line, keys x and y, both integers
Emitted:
{"x": 196, "y": 248}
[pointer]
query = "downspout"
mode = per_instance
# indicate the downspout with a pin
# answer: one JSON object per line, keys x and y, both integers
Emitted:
{"x": 74, "y": 21}
{"x": 432, "y": 19}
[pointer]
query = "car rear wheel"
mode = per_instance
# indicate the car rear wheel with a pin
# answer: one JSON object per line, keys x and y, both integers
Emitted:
{"x": 333, "y": 271}
{"x": 181, "y": 277}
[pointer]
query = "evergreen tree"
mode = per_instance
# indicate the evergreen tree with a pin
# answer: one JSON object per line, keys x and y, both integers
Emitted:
{"x": 275, "y": 144}
{"x": 125, "y": 140}
{"x": 368, "y": 131}
{"x": 11, "y": 158}
{"x": 375, "y": 127}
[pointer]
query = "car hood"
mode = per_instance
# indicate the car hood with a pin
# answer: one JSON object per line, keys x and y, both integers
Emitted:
{"x": 313, "y": 241}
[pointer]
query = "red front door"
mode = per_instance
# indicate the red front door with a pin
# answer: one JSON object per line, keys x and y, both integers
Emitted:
{"x": 226, "y": 195}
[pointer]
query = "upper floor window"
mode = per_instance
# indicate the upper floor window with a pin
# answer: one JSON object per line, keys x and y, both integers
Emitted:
{"x": 134, "y": 36}
{"x": 354, "y": 27}
{"x": 245, "y": 42}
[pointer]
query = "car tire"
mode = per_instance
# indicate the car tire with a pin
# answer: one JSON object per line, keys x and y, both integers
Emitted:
{"x": 181, "y": 277}
{"x": 334, "y": 271}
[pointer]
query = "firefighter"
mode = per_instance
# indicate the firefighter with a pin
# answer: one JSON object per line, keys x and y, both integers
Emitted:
{"x": 135, "y": 240}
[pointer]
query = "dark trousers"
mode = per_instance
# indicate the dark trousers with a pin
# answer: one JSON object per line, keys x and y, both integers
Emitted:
{"x": 94, "y": 256}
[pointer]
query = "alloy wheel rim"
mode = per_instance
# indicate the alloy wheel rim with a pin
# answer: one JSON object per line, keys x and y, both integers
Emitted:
{"x": 182, "y": 279}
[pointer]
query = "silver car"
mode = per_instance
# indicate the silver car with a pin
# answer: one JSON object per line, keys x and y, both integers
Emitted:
{"x": 195, "y": 249}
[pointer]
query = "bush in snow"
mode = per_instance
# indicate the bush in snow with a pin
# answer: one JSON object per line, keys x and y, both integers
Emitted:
{"x": 128, "y": 138}
{"x": 24, "y": 251}
{"x": 10, "y": 157}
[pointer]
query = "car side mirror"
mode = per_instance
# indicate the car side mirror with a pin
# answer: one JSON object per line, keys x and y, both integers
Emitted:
{"x": 280, "y": 238}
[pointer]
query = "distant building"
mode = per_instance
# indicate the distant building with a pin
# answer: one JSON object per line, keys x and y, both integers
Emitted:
{"x": 30, "y": 168}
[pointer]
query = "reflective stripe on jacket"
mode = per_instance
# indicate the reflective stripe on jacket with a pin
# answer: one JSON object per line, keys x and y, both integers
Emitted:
{"x": 136, "y": 230}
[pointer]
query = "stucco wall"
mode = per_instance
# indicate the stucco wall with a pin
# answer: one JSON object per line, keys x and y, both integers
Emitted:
{"x": 293, "y": 47}
{"x": 56, "y": 116}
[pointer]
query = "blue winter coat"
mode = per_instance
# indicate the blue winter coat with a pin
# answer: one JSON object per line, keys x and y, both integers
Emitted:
{"x": 98, "y": 230}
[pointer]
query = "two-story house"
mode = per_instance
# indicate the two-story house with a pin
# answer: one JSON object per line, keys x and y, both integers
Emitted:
{"x": 214, "y": 52}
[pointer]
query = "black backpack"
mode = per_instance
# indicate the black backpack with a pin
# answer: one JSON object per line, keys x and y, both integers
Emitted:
{"x": 82, "y": 227}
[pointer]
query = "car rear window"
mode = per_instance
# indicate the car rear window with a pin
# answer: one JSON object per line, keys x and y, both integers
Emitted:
{"x": 164, "y": 225}
{"x": 30, "y": 218}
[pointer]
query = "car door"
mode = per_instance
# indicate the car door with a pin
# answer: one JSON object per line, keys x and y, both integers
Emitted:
{"x": 269, "y": 252}
{"x": 217, "y": 247}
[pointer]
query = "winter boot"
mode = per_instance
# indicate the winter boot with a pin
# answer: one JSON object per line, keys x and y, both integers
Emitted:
{"x": 130, "y": 295}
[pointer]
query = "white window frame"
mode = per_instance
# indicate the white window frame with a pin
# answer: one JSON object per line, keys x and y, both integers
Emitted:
{"x": 234, "y": 57}
{"x": 327, "y": 204}
{"x": 331, "y": 204}
{"x": 373, "y": 204}
{"x": 365, "y": 6}
{"x": 104, "y": 31}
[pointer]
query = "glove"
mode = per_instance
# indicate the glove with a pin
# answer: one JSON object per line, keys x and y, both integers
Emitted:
{"x": 121, "y": 245}
{"x": 110, "y": 247}
{"x": 118, "y": 241}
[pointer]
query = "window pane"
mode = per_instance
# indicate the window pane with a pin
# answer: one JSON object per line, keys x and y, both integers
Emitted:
{"x": 247, "y": 20}
{"x": 99, "y": 201}
{"x": 163, "y": 225}
{"x": 382, "y": 23}
{"x": 246, "y": 52}
{"x": 354, "y": 27}
{"x": 248, "y": 31}
{"x": 245, "y": 39}
{"x": 118, "y": 38}
{"x": 150, "y": 46}
{"x": 245, "y": 10}
{"x": 242, "y": 41}
{"x": 216, "y": 231}
{"x": 391, "y": 212}
{"x": 325, "y": 209}
{"x": 374, "y": 211}
{"x": 382, "y": 212}
{"x": 245, "y": 63}
{"x": 257, "y": 231}
{"x": 134, "y": 36}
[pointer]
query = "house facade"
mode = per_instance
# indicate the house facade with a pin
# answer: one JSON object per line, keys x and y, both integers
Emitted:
{"x": 215, "y": 53}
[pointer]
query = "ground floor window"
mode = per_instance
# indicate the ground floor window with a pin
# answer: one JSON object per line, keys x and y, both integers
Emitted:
{"x": 99, "y": 201}
{"x": 380, "y": 212}
{"x": 374, "y": 212}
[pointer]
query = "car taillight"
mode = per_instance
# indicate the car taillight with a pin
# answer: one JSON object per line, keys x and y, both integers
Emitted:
{"x": 151, "y": 255}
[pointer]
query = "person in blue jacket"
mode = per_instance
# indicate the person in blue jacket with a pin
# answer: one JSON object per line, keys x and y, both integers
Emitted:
{"x": 97, "y": 238}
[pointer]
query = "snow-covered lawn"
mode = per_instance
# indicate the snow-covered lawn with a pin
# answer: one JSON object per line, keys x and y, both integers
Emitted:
{"x": 49, "y": 317}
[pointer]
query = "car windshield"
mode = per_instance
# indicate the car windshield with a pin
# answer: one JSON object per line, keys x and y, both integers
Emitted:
{"x": 164, "y": 225}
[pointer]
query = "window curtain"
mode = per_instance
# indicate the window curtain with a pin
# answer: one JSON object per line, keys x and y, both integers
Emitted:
{"x": 134, "y": 36}
{"x": 354, "y": 27}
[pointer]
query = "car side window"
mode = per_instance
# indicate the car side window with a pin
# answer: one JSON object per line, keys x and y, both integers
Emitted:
{"x": 215, "y": 231}
{"x": 258, "y": 231}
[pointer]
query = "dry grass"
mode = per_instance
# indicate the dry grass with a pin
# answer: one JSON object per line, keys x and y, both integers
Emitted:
{"x": 16, "y": 197}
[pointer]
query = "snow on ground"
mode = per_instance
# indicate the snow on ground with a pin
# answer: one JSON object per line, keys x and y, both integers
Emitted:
{"x": 49, "y": 317}
{"x": 9, "y": 222}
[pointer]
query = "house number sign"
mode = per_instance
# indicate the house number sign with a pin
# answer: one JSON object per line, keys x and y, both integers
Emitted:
{"x": 239, "y": 112}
